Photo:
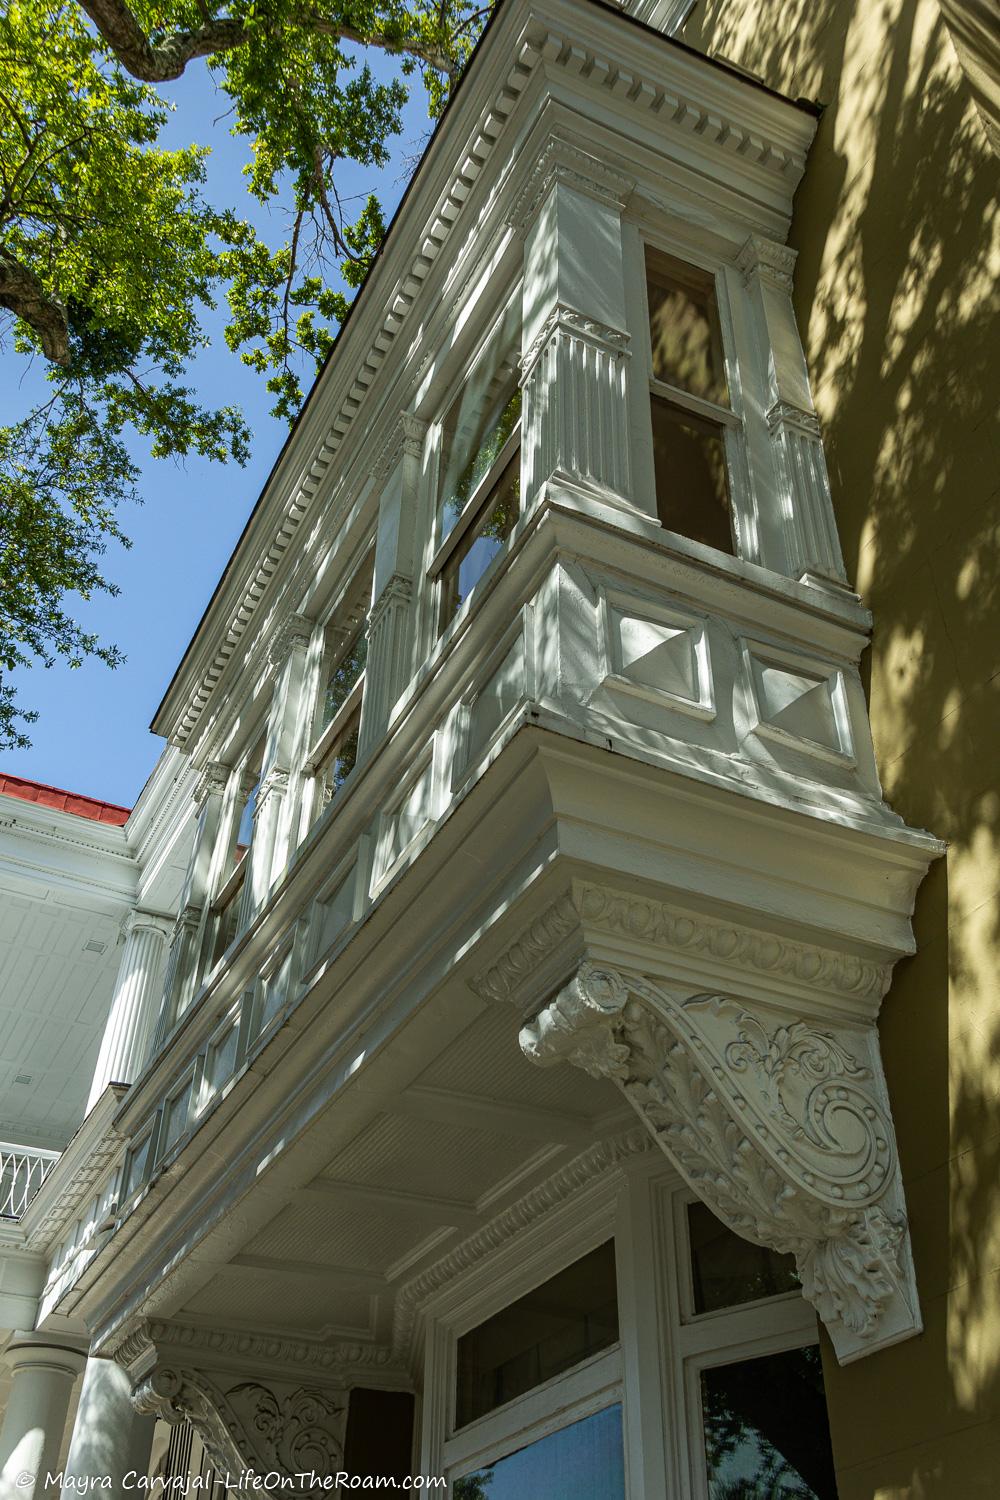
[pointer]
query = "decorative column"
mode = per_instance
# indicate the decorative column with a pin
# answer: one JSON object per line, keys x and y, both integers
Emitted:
{"x": 574, "y": 340}
{"x": 109, "y": 1438}
{"x": 277, "y": 797}
{"x": 182, "y": 961}
{"x": 390, "y": 622}
{"x": 35, "y": 1417}
{"x": 134, "y": 1005}
{"x": 783, "y": 1129}
{"x": 809, "y": 527}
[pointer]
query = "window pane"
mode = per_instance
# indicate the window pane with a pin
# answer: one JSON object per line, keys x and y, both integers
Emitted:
{"x": 766, "y": 1430}
{"x": 343, "y": 677}
{"x": 727, "y": 1269}
{"x": 244, "y": 832}
{"x": 228, "y": 918}
{"x": 684, "y": 328}
{"x": 340, "y": 762}
{"x": 478, "y": 550}
{"x": 580, "y": 1462}
{"x": 551, "y": 1329}
{"x": 275, "y": 989}
{"x": 692, "y": 489}
{"x": 473, "y": 452}
{"x": 221, "y": 1061}
{"x": 177, "y": 1111}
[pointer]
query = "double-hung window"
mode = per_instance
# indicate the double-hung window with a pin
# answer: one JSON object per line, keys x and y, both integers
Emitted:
{"x": 337, "y": 729}
{"x": 693, "y": 424}
{"x": 228, "y": 903}
{"x": 479, "y": 494}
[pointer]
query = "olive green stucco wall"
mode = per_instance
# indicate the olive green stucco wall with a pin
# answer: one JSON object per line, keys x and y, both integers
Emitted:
{"x": 895, "y": 290}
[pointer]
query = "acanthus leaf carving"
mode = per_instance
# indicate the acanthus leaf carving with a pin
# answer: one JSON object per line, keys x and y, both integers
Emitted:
{"x": 293, "y": 1431}
{"x": 780, "y": 1129}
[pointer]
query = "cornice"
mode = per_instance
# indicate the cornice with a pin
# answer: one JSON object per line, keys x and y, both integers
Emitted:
{"x": 593, "y": 908}
{"x": 370, "y": 341}
{"x": 137, "y": 1342}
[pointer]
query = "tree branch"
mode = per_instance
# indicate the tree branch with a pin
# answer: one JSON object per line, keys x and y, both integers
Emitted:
{"x": 120, "y": 28}
{"x": 22, "y": 293}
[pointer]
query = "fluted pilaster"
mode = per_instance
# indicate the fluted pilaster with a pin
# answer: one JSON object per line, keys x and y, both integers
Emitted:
{"x": 800, "y": 474}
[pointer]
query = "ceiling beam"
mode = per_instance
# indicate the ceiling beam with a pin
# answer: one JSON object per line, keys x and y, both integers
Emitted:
{"x": 471, "y": 1111}
{"x": 393, "y": 1200}
{"x": 344, "y": 1278}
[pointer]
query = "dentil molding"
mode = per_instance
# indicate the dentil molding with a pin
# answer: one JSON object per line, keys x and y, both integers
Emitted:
{"x": 783, "y": 1129}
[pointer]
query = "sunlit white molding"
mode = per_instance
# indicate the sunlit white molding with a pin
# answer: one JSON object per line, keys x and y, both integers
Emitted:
{"x": 803, "y": 484}
{"x": 784, "y": 1130}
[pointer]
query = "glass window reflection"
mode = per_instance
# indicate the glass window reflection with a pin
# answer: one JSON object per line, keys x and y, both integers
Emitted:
{"x": 766, "y": 1430}
{"x": 581, "y": 1462}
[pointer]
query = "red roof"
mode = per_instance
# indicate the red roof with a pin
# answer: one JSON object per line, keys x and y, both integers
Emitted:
{"x": 70, "y": 802}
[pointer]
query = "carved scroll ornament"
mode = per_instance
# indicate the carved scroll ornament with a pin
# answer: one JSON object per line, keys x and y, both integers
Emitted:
{"x": 780, "y": 1129}
{"x": 287, "y": 1430}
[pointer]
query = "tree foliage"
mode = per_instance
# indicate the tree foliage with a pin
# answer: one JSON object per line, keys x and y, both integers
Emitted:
{"x": 110, "y": 253}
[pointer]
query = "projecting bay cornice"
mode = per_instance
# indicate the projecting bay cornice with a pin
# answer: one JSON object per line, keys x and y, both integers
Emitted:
{"x": 713, "y": 119}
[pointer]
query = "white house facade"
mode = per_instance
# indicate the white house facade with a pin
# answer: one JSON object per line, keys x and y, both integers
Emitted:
{"x": 490, "y": 1087}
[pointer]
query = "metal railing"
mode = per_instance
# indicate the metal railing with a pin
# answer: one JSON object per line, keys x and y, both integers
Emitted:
{"x": 23, "y": 1169}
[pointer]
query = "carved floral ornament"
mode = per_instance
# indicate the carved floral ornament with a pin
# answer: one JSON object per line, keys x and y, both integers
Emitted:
{"x": 782, "y": 1129}
{"x": 273, "y": 1428}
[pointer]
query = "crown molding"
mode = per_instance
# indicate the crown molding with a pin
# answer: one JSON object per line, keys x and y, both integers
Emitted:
{"x": 562, "y": 1185}
{"x": 588, "y": 910}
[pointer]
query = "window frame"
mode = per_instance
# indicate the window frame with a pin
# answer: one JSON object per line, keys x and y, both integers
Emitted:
{"x": 730, "y": 420}
{"x": 441, "y": 549}
{"x": 721, "y": 1336}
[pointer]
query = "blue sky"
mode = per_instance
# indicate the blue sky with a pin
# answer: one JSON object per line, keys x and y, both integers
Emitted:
{"x": 92, "y": 734}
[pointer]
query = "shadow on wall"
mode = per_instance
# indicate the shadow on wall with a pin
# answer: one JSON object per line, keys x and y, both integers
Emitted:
{"x": 898, "y": 234}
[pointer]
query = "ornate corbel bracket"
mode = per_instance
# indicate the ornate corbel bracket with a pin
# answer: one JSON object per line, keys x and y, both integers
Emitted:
{"x": 783, "y": 1129}
{"x": 287, "y": 1430}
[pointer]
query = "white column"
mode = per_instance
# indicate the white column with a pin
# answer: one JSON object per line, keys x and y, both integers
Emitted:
{"x": 808, "y": 528}
{"x": 135, "y": 1003}
{"x": 110, "y": 1438}
{"x": 35, "y": 1417}
{"x": 574, "y": 336}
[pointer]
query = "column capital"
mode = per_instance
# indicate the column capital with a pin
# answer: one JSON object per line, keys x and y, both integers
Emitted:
{"x": 562, "y": 161}
{"x": 772, "y": 262}
{"x": 59, "y": 1354}
{"x": 139, "y": 920}
{"x": 211, "y": 782}
{"x": 406, "y": 439}
{"x": 293, "y": 633}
